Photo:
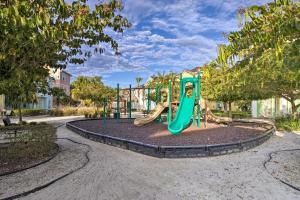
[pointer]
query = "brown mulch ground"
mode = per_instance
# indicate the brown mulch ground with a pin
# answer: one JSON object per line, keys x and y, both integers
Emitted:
{"x": 26, "y": 161}
{"x": 158, "y": 134}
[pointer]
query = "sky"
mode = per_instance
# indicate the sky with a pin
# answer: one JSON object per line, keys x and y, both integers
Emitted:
{"x": 166, "y": 35}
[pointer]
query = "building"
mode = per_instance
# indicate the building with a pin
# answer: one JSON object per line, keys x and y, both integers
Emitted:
{"x": 271, "y": 108}
{"x": 62, "y": 80}
{"x": 43, "y": 101}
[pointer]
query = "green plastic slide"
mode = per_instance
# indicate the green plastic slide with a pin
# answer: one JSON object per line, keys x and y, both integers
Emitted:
{"x": 184, "y": 113}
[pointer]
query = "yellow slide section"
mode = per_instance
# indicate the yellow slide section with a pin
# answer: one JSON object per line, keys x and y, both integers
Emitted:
{"x": 212, "y": 117}
{"x": 152, "y": 115}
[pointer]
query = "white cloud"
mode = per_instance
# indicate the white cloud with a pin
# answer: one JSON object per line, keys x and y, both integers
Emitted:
{"x": 167, "y": 35}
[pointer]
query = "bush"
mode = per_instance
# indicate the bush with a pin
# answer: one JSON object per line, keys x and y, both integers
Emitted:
{"x": 86, "y": 111}
{"x": 56, "y": 112}
{"x": 69, "y": 111}
{"x": 30, "y": 112}
{"x": 288, "y": 124}
{"x": 235, "y": 114}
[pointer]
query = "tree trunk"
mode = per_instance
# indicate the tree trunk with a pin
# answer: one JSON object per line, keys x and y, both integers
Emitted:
{"x": 20, "y": 113}
{"x": 225, "y": 106}
{"x": 229, "y": 110}
{"x": 294, "y": 109}
{"x": 57, "y": 102}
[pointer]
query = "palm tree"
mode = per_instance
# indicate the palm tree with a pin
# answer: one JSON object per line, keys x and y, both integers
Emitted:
{"x": 138, "y": 80}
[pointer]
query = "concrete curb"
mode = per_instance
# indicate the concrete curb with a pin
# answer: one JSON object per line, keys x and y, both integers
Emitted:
{"x": 174, "y": 151}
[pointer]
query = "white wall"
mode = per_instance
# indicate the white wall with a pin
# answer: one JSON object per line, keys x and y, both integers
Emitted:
{"x": 254, "y": 109}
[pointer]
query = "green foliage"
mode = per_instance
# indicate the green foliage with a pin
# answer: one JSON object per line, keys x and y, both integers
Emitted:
{"x": 30, "y": 112}
{"x": 38, "y": 35}
{"x": 262, "y": 59}
{"x": 59, "y": 95}
{"x": 244, "y": 105}
{"x": 217, "y": 84}
{"x": 93, "y": 89}
{"x": 288, "y": 124}
{"x": 66, "y": 111}
{"x": 138, "y": 81}
{"x": 234, "y": 114}
{"x": 163, "y": 79}
{"x": 86, "y": 111}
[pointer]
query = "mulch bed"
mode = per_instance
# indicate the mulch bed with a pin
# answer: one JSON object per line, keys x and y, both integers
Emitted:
{"x": 158, "y": 134}
{"x": 25, "y": 162}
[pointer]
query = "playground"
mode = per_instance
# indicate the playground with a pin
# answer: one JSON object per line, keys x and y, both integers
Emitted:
{"x": 114, "y": 173}
{"x": 187, "y": 126}
{"x": 150, "y": 99}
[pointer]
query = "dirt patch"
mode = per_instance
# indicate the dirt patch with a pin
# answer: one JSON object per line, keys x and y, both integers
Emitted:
{"x": 158, "y": 134}
{"x": 25, "y": 162}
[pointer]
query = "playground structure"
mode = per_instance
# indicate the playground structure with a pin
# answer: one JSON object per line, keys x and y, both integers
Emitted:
{"x": 184, "y": 109}
{"x": 189, "y": 93}
{"x": 125, "y": 102}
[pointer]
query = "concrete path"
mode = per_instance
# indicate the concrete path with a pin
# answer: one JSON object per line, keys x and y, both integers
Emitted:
{"x": 114, "y": 173}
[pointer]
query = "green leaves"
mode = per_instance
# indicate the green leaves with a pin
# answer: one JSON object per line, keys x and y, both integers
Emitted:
{"x": 262, "y": 59}
{"x": 92, "y": 89}
{"x": 38, "y": 35}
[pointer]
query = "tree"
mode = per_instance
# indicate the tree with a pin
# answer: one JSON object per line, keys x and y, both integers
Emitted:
{"x": 23, "y": 87}
{"x": 36, "y": 35}
{"x": 163, "y": 79}
{"x": 93, "y": 89}
{"x": 59, "y": 95}
{"x": 138, "y": 81}
{"x": 217, "y": 84}
{"x": 264, "y": 55}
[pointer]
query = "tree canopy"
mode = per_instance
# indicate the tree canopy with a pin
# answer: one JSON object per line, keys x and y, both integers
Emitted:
{"x": 38, "y": 35}
{"x": 262, "y": 60}
{"x": 92, "y": 89}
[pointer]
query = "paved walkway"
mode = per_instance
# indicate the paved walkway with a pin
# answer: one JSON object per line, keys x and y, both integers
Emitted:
{"x": 114, "y": 173}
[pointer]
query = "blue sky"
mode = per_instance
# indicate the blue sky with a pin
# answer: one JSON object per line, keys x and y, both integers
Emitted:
{"x": 167, "y": 35}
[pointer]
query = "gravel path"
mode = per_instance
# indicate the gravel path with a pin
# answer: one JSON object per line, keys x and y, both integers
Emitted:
{"x": 114, "y": 173}
{"x": 285, "y": 166}
{"x": 70, "y": 158}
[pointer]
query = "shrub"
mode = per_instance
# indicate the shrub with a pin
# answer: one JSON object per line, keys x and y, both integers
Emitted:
{"x": 69, "y": 111}
{"x": 108, "y": 112}
{"x": 30, "y": 112}
{"x": 56, "y": 112}
{"x": 288, "y": 124}
{"x": 235, "y": 114}
{"x": 86, "y": 111}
